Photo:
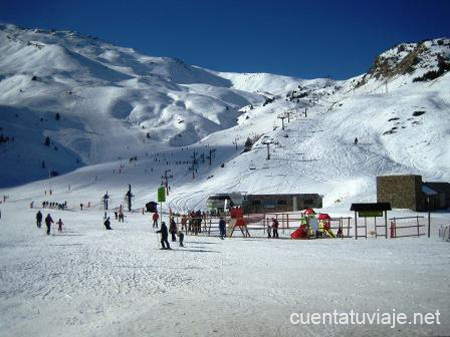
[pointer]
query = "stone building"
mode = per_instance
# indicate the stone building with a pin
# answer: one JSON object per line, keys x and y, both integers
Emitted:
{"x": 408, "y": 191}
{"x": 401, "y": 191}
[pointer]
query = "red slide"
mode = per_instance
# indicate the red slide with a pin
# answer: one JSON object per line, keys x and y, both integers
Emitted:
{"x": 300, "y": 233}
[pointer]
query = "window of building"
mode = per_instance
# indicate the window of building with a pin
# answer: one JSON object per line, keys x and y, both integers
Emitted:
{"x": 269, "y": 203}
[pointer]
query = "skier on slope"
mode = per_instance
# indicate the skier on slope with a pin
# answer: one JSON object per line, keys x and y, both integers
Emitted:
{"x": 107, "y": 224}
{"x": 164, "y": 235}
{"x": 48, "y": 223}
{"x": 39, "y": 219}
{"x": 181, "y": 236}
{"x": 155, "y": 219}
{"x": 173, "y": 229}
{"x": 184, "y": 223}
{"x": 222, "y": 228}
{"x": 60, "y": 225}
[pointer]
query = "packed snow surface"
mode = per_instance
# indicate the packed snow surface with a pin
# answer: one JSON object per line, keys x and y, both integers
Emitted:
{"x": 87, "y": 281}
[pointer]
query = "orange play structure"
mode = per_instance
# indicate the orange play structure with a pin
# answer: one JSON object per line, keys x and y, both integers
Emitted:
{"x": 237, "y": 220}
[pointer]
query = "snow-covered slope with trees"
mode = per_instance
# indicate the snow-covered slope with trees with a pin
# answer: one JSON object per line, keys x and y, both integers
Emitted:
{"x": 121, "y": 117}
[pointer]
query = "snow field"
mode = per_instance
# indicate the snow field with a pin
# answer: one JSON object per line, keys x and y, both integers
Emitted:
{"x": 92, "y": 282}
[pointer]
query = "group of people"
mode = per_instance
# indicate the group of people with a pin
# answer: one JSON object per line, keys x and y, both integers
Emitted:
{"x": 48, "y": 222}
{"x": 173, "y": 230}
{"x": 192, "y": 222}
{"x": 55, "y": 205}
{"x": 272, "y": 230}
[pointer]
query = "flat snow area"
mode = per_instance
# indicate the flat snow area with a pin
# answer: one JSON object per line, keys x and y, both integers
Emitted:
{"x": 91, "y": 282}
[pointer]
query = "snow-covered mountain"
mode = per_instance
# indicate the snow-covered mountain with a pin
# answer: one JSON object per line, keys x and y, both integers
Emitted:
{"x": 112, "y": 116}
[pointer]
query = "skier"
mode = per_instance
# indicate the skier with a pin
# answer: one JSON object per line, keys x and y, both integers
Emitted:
{"x": 173, "y": 229}
{"x": 222, "y": 227}
{"x": 121, "y": 217}
{"x": 164, "y": 235}
{"x": 198, "y": 215}
{"x": 275, "y": 227}
{"x": 39, "y": 219}
{"x": 155, "y": 219}
{"x": 269, "y": 231}
{"x": 107, "y": 224}
{"x": 81, "y": 206}
{"x": 60, "y": 225}
{"x": 181, "y": 236}
{"x": 356, "y": 141}
{"x": 184, "y": 222}
{"x": 48, "y": 223}
{"x": 116, "y": 215}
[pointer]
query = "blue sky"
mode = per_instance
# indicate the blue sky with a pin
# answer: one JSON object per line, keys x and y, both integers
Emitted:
{"x": 305, "y": 39}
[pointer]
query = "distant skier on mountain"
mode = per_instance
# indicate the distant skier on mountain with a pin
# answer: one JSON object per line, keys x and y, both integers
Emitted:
{"x": 356, "y": 141}
{"x": 39, "y": 219}
{"x": 48, "y": 223}
{"x": 164, "y": 235}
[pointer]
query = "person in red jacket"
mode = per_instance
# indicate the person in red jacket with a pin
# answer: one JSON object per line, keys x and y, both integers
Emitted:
{"x": 155, "y": 219}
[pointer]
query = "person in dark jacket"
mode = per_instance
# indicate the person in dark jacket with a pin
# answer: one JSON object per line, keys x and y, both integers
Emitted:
{"x": 164, "y": 235}
{"x": 269, "y": 230}
{"x": 222, "y": 228}
{"x": 39, "y": 219}
{"x": 173, "y": 229}
{"x": 275, "y": 227}
{"x": 107, "y": 224}
{"x": 48, "y": 223}
{"x": 181, "y": 236}
{"x": 60, "y": 225}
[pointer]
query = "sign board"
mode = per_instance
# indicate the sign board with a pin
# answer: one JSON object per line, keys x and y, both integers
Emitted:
{"x": 370, "y": 214}
{"x": 161, "y": 194}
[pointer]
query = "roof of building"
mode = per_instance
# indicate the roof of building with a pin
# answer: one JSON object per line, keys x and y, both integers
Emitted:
{"x": 439, "y": 187}
{"x": 428, "y": 190}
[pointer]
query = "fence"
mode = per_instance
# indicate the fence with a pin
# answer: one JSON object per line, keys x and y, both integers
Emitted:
{"x": 406, "y": 227}
{"x": 444, "y": 233}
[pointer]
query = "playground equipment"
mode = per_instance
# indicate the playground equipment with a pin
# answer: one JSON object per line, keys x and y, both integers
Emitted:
{"x": 237, "y": 220}
{"x": 312, "y": 227}
{"x": 325, "y": 225}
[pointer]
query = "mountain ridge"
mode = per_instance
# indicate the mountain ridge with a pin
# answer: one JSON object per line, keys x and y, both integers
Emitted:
{"x": 115, "y": 104}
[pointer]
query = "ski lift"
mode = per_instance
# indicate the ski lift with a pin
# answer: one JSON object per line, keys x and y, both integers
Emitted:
{"x": 252, "y": 166}
{"x": 265, "y": 166}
